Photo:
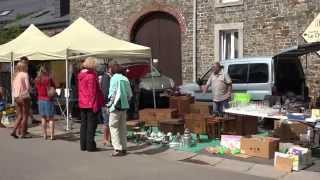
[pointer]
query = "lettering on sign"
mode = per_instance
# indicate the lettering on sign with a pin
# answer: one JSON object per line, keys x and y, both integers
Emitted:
{"x": 312, "y": 33}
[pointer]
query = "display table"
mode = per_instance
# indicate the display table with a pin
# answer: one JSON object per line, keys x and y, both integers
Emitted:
{"x": 267, "y": 112}
{"x": 262, "y": 112}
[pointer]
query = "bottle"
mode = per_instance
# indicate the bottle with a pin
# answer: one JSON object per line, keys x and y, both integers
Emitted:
{"x": 310, "y": 134}
{"x": 187, "y": 139}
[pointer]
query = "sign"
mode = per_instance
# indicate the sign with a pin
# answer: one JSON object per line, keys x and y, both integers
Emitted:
{"x": 312, "y": 33}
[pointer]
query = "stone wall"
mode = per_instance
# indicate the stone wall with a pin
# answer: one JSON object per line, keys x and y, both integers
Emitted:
{"x": 269, "y": 26}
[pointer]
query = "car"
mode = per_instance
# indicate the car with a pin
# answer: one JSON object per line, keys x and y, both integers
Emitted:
{"x": 258, "y": 76}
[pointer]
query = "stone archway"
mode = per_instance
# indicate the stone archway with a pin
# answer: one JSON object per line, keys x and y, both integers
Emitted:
{"x": 161, "y": 31}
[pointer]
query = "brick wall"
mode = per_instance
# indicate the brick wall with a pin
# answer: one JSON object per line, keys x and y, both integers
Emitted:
{"x": 269, "y": 26}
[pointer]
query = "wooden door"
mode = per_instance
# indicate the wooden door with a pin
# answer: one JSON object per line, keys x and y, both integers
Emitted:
{"x": 161, "y": 32}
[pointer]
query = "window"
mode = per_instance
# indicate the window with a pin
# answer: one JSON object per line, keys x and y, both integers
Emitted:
{"x": 224, "y": 3}
{"x": 238, "y": 73}
{"x": 258, "y": 73}
{"x": 229, "y": 44}
{"x": 228, "y": 41}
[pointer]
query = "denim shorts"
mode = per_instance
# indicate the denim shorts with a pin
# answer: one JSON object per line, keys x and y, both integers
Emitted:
{"x": 105, "y": 116}
{"x": 46, "y": 108}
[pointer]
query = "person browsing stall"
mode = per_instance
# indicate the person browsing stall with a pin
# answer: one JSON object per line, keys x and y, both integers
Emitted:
{"x": 45, "y": 85}
{"x": 119, "y": 95}
{"x": 221, "y": 86}
{"x": 90, "y": 102}
{"x": 104, "y": 81}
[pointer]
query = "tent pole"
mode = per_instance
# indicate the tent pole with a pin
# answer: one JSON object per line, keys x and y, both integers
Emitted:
{"x": 12, "y": 71}
{"x": 67, "y": 90}
{"x": 153, "y": 90}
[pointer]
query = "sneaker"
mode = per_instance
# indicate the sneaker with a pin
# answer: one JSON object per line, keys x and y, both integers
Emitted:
{"x": 14, "y": 135}
{"x": 117, "y": 153}
{"x": 26, "y": 136}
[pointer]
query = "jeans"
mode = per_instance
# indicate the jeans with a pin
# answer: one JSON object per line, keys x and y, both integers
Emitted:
{"x": 219, "y": 106}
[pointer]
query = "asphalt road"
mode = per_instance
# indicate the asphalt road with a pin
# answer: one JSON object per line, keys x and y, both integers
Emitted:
{"x": 37, "y": 159}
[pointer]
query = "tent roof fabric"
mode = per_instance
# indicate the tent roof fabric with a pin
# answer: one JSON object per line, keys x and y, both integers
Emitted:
{"x": 80, "y": 38}
{"x": 83, "y": 38}
{"x": 24, "y": 45}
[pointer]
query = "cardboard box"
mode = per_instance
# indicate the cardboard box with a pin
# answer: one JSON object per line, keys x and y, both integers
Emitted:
{"x": 283, "y": 162}
{"x": 200, "y": 107}
{"x": 197, "y": 123}
{"x": 231, "y": 141}
{"x": 289, "y": 131}
{"x": 259, "y": 146}
{"x": 296, "y": 159}
{"x": 302, "y": 157}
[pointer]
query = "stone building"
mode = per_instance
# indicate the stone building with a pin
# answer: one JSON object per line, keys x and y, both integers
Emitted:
{"x": 224, "y": 29}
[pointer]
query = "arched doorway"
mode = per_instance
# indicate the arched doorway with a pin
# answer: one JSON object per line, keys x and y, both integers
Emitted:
{"x": 161, "y": 32}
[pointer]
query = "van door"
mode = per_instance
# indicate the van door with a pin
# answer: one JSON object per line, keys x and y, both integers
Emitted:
{"x": 259, "y": 80}
{"x": 239, "y": 76}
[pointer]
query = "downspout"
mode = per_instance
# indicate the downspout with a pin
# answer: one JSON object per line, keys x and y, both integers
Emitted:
{"x": 194, "y": 44}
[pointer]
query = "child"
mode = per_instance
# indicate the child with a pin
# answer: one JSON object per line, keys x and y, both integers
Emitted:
{"x": 2, "y": 105}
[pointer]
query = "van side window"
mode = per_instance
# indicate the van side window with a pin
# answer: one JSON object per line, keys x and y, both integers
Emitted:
{"x": 258, "y": 73}
{"x": 238, "y": 73}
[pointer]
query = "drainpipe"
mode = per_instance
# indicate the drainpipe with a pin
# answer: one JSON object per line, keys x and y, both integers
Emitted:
{"x": 194, "y": 44}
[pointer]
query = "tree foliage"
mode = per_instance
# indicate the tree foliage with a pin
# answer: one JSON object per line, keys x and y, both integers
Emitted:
{"x": 9, "y": 33}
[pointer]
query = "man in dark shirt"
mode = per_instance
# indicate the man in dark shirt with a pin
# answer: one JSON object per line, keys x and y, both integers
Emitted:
{"x": 104, "y": 81}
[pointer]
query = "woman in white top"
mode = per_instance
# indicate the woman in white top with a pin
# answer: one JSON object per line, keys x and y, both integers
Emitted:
{"x": 21, "y": 94}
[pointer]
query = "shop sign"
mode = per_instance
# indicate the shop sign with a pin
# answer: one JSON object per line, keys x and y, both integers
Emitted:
{"x": 312, "y": 33}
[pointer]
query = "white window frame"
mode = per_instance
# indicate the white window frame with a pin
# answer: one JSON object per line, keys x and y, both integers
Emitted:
{"x": 224, "y": 42}
{"x": 218, "y": 28}
{"x": 220, "y": 3}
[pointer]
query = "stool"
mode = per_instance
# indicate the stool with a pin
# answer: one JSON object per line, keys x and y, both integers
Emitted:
{"x": 214, "y": 129}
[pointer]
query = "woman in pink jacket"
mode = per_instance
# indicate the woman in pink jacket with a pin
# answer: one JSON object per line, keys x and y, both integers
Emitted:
{"x": 90, "y": 102}
{"x": 21, "y": 94}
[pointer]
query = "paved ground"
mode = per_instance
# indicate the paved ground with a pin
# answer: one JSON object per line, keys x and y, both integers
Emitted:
{"x": 36, "y": 158}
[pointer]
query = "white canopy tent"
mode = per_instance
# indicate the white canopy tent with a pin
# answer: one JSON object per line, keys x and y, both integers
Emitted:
{"x": 83, "y": 39}
{"x": 23, "y": 45}
{"x": 80, "y": 39}
{"x": 26, "y": 44}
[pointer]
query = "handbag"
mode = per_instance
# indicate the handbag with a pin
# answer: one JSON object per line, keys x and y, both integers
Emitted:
{"x": 51, "y": 92}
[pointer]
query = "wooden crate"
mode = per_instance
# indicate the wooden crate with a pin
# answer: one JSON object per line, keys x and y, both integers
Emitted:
{"x": 289, "y": 132}
{"x": 173, "y": 125}
{"x": 181, "y": 103}
{"x": 152, "y": 117}
{"x": 200, "y": 107}
{"x": 197, "y": 123}
{"x": 240, "y": 125}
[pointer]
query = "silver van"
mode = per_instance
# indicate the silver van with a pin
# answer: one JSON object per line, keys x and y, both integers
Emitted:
{"x": 261, "y": 76}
